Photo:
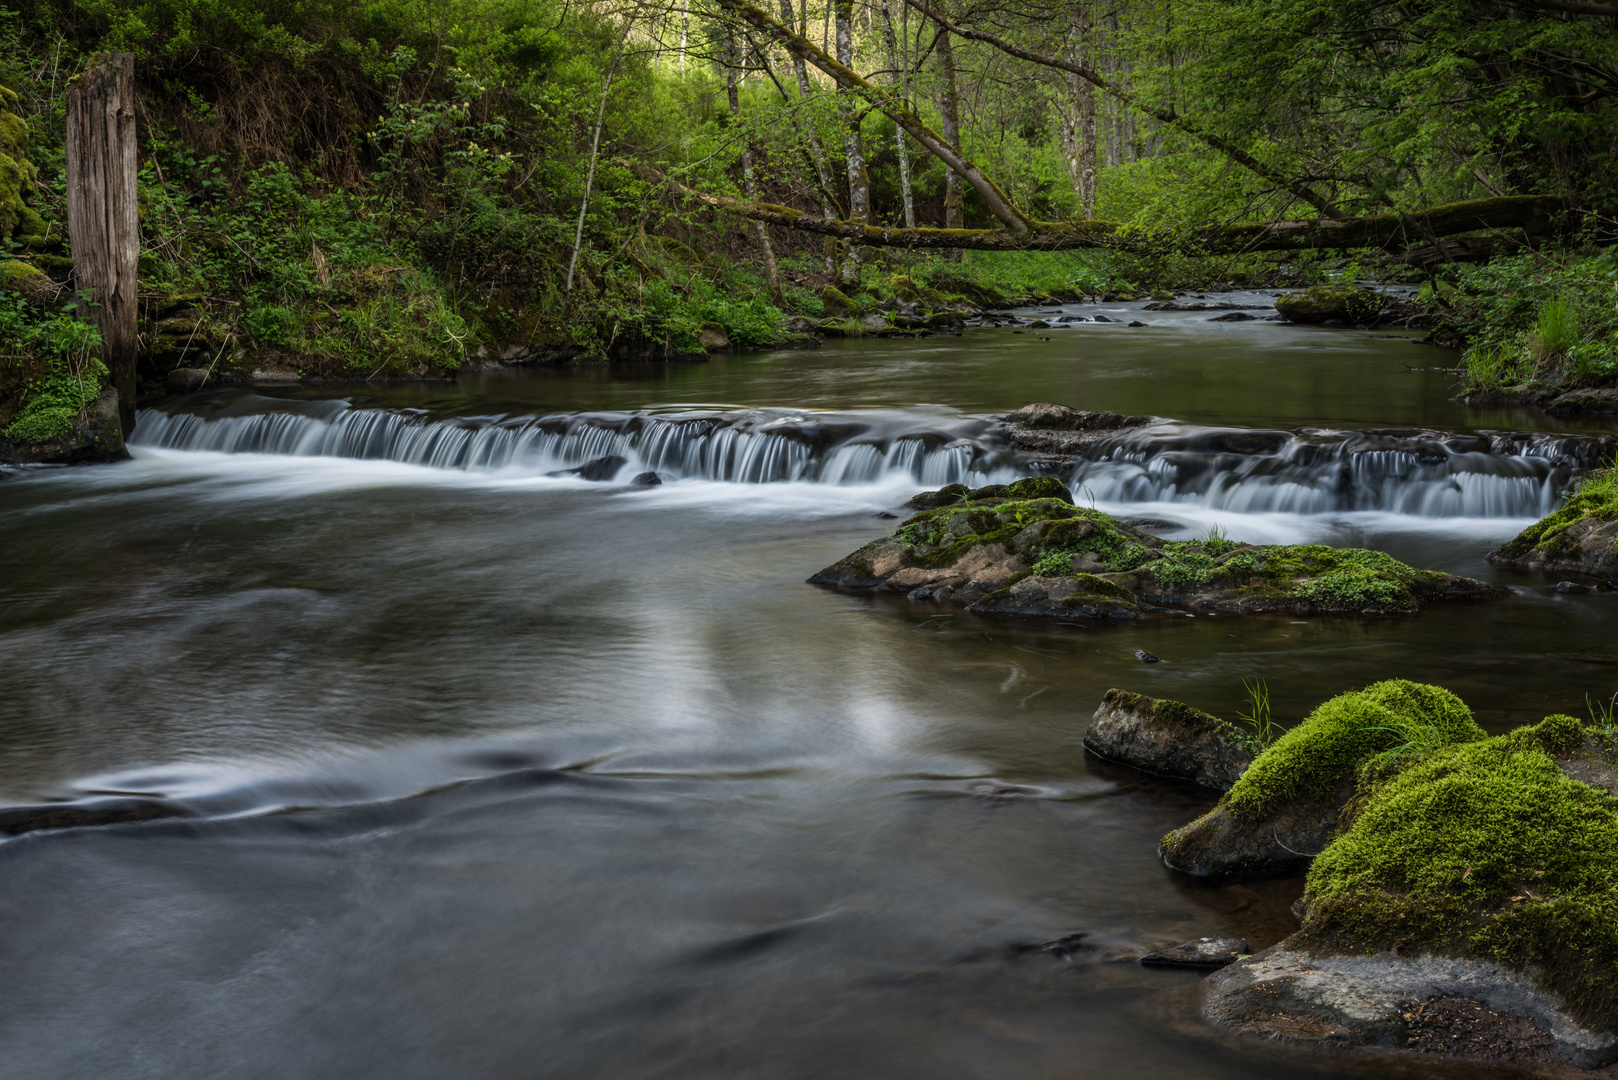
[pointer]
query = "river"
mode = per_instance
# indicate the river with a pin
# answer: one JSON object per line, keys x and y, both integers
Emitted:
{"x": 498, "y": 773}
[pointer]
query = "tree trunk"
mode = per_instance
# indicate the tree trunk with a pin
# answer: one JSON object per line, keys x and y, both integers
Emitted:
{"x": 101, "y": 219}
{"x": 817, "y": 152}
{"x": 950, "y": 127}
{"x": 761, "y": 235}
{"x": 859, "y": 181}
{"x": 902, "y": 82}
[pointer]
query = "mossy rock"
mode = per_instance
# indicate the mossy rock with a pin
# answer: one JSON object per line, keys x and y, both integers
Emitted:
{"x": 837, "y": 304}
{"x": 1326, "y": 303}
{"x": 28, "y": 281}
{"x": 1169, "y": 738}
{"x": 904, "y": 289}
{"x": 1499, "y": 854}
{"x": 1580, "y": 538}
{"x": 1286, "y": 807}
{"x": 987, "y": 540}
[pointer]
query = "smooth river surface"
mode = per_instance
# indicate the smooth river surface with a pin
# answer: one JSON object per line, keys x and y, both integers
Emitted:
{"x": 501, "y": 774}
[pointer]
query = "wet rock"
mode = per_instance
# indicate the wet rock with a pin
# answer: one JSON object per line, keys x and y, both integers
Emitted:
{"x": 1286, "y": 807}
{"x": 1030, "y": 551}
{"x": 1325, "y": 303}
{"x": 712, "y": 338}
{"x": 1047, "y": 416}
{"x": 1300, "y": 995}
{"x": 1062, "y": 948}
{"x": 1206, "y": 953}
{"x": 646, "y": 479}
{"x": 1168, "y": 738}
{"x": 1135, "y": 322}
{"x": 1234, "y": 316}
{"x": 602, "y": 468}
{"x": 94, "y": 435}
{"x": 1102, "y": 318}
{"x": 1585, "y": 401}
{"x": 1580, "y": 538}
{"x": 17, "y": 820}
{"x": 185, "y": 380}
{"x": 1571, "y": 587}
{"x": 1147, "y": 658}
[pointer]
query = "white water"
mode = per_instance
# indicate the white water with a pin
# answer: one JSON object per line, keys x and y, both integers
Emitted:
{"x": 1170, "y": 466}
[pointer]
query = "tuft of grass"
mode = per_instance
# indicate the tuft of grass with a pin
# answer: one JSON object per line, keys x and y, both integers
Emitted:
{"x": 1257, "y": 716}
{"x": 1602, "y": 713}
{"x": 1554, "y": 333}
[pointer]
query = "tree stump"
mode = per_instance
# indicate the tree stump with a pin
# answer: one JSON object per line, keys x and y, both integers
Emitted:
{"x": 101, "y": 220}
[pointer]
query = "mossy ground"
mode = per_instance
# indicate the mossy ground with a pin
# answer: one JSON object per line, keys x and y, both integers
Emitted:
{"x": 1484, "y": 849}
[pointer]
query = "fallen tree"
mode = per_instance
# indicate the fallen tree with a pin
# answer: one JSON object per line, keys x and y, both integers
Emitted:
{"x": 1393, "y": 231}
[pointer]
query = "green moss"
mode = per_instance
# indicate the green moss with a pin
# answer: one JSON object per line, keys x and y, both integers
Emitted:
{"x": 54, "y": 402}
{"x": 1485, "y": 849}
{"x": 1040, "y": 487}
{"x": 1596, "y": 497}
{"x": 1312, "y": 760}
{"x": 836, "y": 304}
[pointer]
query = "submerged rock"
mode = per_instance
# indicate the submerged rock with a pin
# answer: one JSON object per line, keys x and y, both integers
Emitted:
{"x": 1169, "y": 739}
{"x": 1201, "y": 953}
{"x": 1285, "y": 808}
{"x": 1483, "y": 871}
{"x": 1581, "y": 537}
{"x": 647, "y": 479}
{"x": 1025, "y": 549}
{"x": 600, "y": 469}
{"x": 17, "y": 820}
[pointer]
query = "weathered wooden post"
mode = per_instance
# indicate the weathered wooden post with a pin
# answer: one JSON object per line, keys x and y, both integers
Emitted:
{"x": 101, "y": 221}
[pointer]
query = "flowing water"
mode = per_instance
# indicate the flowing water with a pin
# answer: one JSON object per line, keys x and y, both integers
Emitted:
{"x": 491, "y": 770}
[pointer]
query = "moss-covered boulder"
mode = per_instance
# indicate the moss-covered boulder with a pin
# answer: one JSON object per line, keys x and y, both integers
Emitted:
{"x": 836, "y": 304}
{"x": 1025, "y": 549}
{"x": 1169, "y": 738}
{"x": 1484, "y": 871}
{"x": 1329, "y": 303}
{"x": 28, "y": 281}
{"x": 1284, "y": 810}
{"x": 66, "y": 434}
{"x": 1580, "y": 538}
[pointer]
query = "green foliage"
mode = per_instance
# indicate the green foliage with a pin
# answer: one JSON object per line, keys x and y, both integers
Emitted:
{"x": 1487, "y": 849}
{"x": 52, "y": 363}
{"x": 1257, "y": 717}
{"x": 1310, "y": 761}
{"x": 1533, "y": 319}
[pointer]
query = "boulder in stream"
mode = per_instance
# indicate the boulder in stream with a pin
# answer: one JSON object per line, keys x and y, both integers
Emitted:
{"x": 1328, "y": 303}
{"x": 1285, "y": 808}
{"x": 1169, "y": 738}
{"x": 1472, "y": 885}
{"x": 1026, "y": 550}
{"x": 1580, "y": 538}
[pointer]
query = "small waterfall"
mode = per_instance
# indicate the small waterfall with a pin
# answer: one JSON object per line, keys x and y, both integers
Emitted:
{"x": 1422, "y": 473}
{"x": 1313, "y": 471}
{"x": 750, "y": 447}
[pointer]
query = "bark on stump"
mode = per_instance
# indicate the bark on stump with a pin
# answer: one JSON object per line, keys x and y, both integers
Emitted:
{"x": 101, "y": 219}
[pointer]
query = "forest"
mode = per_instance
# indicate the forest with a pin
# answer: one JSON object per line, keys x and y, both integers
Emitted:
{"x": 405, "y": 187}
